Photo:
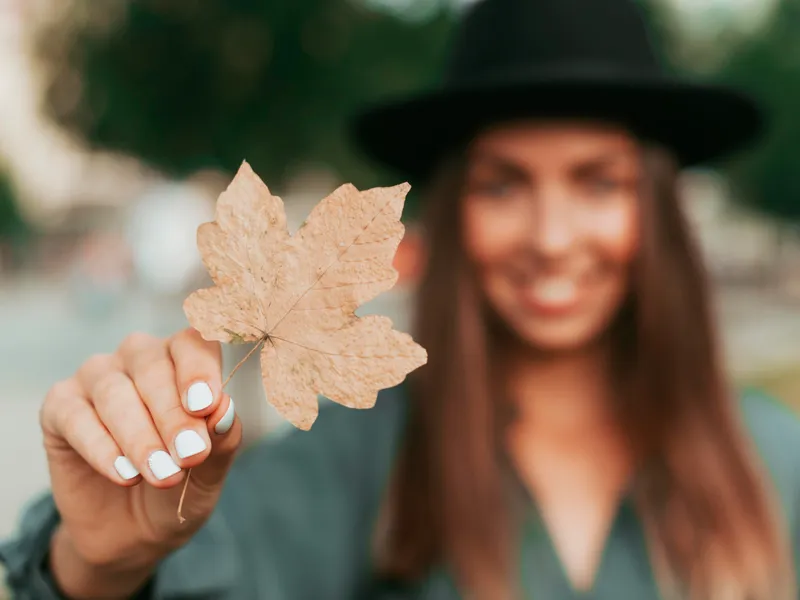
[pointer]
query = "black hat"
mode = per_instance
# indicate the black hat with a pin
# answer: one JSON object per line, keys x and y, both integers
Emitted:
{"x": 572, "y": 58}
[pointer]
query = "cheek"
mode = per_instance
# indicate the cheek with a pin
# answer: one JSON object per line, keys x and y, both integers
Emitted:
{"x": 616, "y": 234}
{"x": 489, "y": 232}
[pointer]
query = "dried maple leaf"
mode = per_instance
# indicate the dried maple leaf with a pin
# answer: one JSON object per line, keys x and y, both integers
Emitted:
{"x": 295, "y": 295}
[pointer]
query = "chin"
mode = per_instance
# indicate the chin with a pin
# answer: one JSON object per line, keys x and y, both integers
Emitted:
{"x": 558, "y": 338}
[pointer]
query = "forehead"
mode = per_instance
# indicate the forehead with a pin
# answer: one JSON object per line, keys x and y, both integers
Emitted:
{"x": 554, "y": 140}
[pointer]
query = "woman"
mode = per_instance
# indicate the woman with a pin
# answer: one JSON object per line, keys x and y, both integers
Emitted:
{"x": 572, "y": 435}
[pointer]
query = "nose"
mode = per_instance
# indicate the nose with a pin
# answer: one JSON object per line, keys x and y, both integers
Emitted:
{"x": 553, "y": 226}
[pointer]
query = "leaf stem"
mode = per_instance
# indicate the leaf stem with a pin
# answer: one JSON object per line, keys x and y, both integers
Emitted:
{"x": 252, "y": 351}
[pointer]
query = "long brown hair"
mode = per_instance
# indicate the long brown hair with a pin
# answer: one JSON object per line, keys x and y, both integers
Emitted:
{"x": 713, "y": 529}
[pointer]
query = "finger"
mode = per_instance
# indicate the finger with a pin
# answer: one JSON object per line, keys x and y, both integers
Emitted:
{"x": 151, "y": 369}
{"x": 94, "y": 369}
{"x": 226, "y": 431}
{"x": 69, "y": 415}
{"x": 198, "y": 370}
{"x": 119, "y": 406}
{"x": 224, "y": 418}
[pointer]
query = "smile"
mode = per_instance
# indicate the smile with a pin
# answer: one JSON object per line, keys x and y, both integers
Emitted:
{"x": 551, "y": 294}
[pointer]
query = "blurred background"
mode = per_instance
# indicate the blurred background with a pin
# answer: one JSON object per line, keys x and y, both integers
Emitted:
{"x": 121, "y": 122}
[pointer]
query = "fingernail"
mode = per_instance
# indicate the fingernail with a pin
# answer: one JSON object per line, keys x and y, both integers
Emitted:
{"x": 226, "y": 422}
{"x": 125, "y": 468}
{"x": 188, "y": 443}
{"x": 199, "y": 396}
{"x": 162, "y": 465}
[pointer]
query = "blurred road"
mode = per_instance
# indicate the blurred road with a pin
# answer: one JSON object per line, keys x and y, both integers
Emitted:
{"x": 45, "y": 339}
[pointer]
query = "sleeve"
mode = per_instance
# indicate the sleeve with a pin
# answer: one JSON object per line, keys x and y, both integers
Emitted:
{"x": 293, "y": 522}
{"x": 25, "y": 557}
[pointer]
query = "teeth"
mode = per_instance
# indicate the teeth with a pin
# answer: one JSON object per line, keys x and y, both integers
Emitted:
{"x": 555, "y": 291}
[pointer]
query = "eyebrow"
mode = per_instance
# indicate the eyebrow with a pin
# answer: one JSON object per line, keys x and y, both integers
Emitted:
{"x": 588, "y": 163}
{"x": 498, "y": 161}
{"x": 608, "y": 160}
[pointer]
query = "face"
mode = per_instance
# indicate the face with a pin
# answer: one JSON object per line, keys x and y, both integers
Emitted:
{"x": 550, "y": 217}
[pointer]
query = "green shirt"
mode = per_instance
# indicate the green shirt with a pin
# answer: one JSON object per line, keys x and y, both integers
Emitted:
{"x": 296, "y": 516}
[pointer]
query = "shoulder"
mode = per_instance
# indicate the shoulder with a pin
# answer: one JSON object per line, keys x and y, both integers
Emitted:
{"x": 775, "y": 431}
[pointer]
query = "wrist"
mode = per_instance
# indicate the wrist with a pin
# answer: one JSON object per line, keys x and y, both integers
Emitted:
{"x": 81, "y": 579}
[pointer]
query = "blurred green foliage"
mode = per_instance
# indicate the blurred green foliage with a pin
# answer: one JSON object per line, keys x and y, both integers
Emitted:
{"x": 186, "y": 84}
{"x": 764, "y": 61}
{"x": 665, "y": 30}
{"x": 768, "y": 63}
{"x": 14, "y": 230}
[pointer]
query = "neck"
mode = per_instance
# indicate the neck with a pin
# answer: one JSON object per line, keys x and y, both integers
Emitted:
{"x": 568, "y": 396}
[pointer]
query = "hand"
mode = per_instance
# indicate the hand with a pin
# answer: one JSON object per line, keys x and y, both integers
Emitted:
{"x": 120, "y": 436}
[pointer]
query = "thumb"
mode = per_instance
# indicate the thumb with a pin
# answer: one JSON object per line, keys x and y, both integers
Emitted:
{"x": 225, "y": 431}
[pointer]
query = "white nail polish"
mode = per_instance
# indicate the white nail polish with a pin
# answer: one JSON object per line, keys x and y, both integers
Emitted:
{"x": 188, "y": 443}
{"x": 226, "y": 422}
{"x": 125, "y": 468}
{"x": 199, "y": 396}
{"x": 162, "y": 465}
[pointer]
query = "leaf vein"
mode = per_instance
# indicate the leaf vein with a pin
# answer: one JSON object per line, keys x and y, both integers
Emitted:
{"x": 338, "y": 257}
{"x": 339, "y": 354}
{"x": 351, "y": 284}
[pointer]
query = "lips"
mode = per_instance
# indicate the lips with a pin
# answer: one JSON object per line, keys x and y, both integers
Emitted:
{"x": 550, "y": 294}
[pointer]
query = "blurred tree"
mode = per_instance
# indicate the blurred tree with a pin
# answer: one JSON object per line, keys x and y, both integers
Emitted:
{"x": 12, "y": 225}
{"x": 768, "y": 63}
{"x": 14, "y": 230}
{"x": 186, "y": 84}
{"x": 666, "y": 29}
{"x": 764, "y": 59}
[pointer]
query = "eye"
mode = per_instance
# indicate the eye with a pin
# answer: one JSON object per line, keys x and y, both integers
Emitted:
{"x": 497, "y": 188}
{"x": 493, "y": 186}
{"x": 604, "y": 185}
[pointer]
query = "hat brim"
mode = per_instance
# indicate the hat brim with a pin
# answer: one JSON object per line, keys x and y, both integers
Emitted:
{"x": 699, "y": 122}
